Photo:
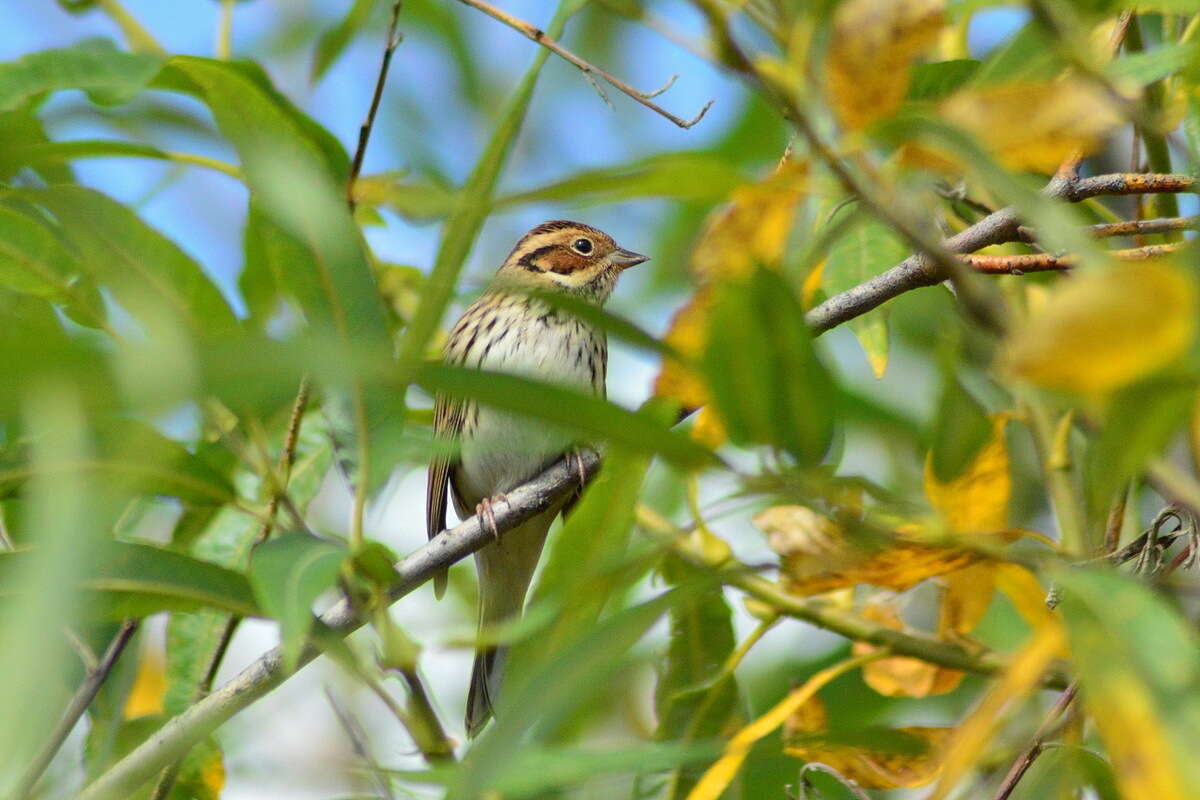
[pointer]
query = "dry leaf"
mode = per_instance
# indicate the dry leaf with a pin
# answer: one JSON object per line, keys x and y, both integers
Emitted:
{"x": 1034, "y": 126}
{"x": 900, "y": 676}
{"x": 688, "y": 334}
{"x": 818, "y": 557}
{"x": 1106, "y": 328}
{"x": 870, "y": 768}
{"x": 873, "y": 46}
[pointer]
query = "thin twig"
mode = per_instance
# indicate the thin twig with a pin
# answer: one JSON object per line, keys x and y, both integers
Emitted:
{"x": 393, "y": 40}
{"x": 1026, "y": 759}
{"x": 83, "y": 698}
{"x": 358, "y": 740}
{"x": 535, "y": 34}
{"x": 1132, "y": 227}
{"x": 1049, "y": 262}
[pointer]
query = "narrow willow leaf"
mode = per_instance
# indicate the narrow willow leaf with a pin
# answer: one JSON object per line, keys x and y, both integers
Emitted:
{"x": 133, "y": 458}
{"x": 33, "y": 260}
{"x": 22, "y": 129}
{"x": 148, "y": 274}
{"x": 682, "y": 176}
{"x": 474, "y": 202}
{"x": 571, "y": 411}
{"x": 333, "y": 42}
{"x": 1062, "y": 770}
{"x": 136, "y": 580}
{"x": 109, "y": 75}
{"x": 563, "y": 683}
{"x": 288, "y": 574}
{"x": 694, "y": 700}
{"x": 930, "y": 82}
{"x": 961, "y": 429}
{"x": 766, "y": 378}
{"x": 1139, "y": 675}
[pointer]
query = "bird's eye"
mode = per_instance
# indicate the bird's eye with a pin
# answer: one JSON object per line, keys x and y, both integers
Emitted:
{"x": 582, "y": 246}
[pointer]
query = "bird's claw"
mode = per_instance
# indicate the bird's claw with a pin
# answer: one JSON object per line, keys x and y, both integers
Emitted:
{"x": 576, "y": 457}
{"x": 484, "y": 509}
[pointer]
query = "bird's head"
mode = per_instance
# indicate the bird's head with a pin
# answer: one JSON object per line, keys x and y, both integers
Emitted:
{"x": 571, "y": 257}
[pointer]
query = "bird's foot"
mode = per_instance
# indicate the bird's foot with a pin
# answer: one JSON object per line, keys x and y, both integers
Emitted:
{"x": 484, "y": 509}
{"x": 576, "y": 458}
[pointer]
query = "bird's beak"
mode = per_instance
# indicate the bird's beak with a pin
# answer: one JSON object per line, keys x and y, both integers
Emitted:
{"x": 627, "y": 258}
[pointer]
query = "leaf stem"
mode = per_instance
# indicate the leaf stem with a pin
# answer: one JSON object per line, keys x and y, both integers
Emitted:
{"x": 140, "y": 40}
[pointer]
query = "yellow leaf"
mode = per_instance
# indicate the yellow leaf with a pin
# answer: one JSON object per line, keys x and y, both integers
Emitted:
{"x": 688, "y": 334}
{"x": 979, "y": 727}
{"x": 149, "y": 687}
{"x": 811, "y": 285}
{"x": 872, "y": 48}
{"x": 870, "y": 768}
{"x": 1057, "y": 119}
{"x": 817, "y": 556}
{"x": 900, "y": 676}
{"x": 753, "y": 228}
{"x": 977, "y": 500}
{"x": 720, "y": 774}
{"x": 1104, "y": 329}
{"x": 966, "y": 599}
{"x": 709, "y": 430}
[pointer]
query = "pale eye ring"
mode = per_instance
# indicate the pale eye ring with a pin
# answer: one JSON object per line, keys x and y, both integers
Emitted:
{"x": 582, "y": 246}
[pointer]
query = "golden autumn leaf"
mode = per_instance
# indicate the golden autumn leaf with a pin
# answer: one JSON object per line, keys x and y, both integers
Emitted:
{"x": 976, "y": 500}
{"x": 721, "y": 773}
{"x": 751, "y": 229}
{"x": 900, "y": 676}
{"x": 977, "y": 729}
{"x": 871, "y": 50}
{"x": 869, "y": 767}
{"x": 1106, "y": 328}
{"x": 817, "y": 556}
{"x": 1057, "y": 119}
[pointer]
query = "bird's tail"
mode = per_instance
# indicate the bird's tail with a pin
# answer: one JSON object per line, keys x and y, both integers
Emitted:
{"x": 485, "y": 686}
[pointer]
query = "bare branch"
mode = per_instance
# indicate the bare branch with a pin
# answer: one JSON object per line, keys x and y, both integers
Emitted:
{"x": 535, "y": 34}
{"x": 358, "y": 740}
{"x": 83, "y": 698}
{"x": 1132, "y": 227}
{"x": 1030, "y": 754}
{"x": 1020, "y": 263}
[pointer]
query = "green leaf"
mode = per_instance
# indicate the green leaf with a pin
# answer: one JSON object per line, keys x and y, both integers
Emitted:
{"x": 137, "y": 580}
{"x": 1138, "y": 663}
{"x": 288, "y": 574}
{"x": 1062, "y": 770}
{"x": 23, "y": 129}
{"x": 572, "y": 412}
{"x": 537, "y": 770}
{"x": 694, "y": 701}
{"x": 134, "y": 458}
{"x": 198, "y": 777}
{"x": 474, "y": 203}
{"x": 1153, "y": 65}
{"x": 192, "y": 638}
{"x": 932, "y": 82}
{"x": 333, "y": 42}
{"x": 281, "y": 149}
{"x": 148, "y": 274}
{"x": 683, "y": 176}
{"x": 867, "y": 249}
{"x": 1140, "y": 422}
{"x": 48, "y": 154}
{"x": 1029, "y": 55}
{"x": 109, "y": 75}
{"x": 764, "y": 372}
{"x": 33, "y": 260}
{"x": 960, "y": 429}
{"x": 546, "y": 698}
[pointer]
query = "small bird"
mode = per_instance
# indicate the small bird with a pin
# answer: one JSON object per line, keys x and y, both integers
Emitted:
{"x": 509, "y": 329}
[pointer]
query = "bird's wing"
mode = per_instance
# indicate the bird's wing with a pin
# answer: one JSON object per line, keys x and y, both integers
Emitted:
{"x": 448, "y": 416}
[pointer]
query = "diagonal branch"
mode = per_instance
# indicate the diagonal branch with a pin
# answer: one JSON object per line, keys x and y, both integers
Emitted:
{"x": 1020, "y": 263}
{"x": 591, "y": 71}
